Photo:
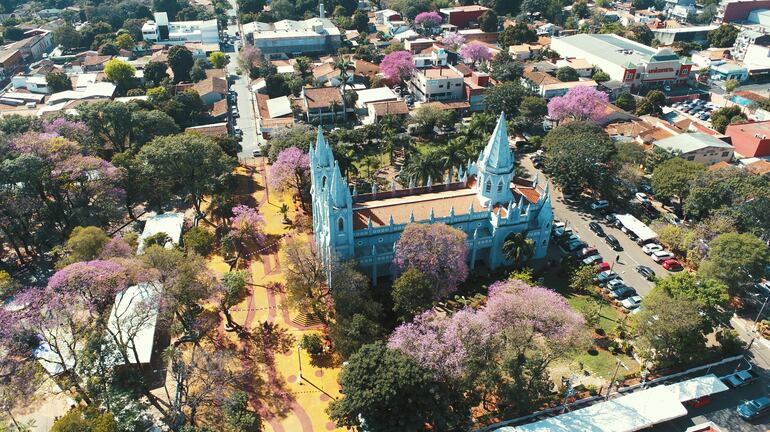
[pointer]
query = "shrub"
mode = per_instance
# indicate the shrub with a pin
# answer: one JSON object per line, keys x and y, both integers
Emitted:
{"x": 313, "y": 344}
{"x": 199, "y": 240}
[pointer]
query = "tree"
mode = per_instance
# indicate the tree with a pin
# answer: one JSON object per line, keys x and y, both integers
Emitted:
{"x": 652, "y": 103}
{"x": 361, "y": 21}
{"x": 232, "y": 290}
{"x": 251, "y": 6}
{"x": 731, "y": 85}
{"x": 344, "y": 66}
{"x": 427, "y": 118}
{"x": 438, "y": 251}
{"x": 642, "y": 34}
{"x": 86, "y": 419}
{"x": 125, "y": 41}
{"x": 669, "y": 330}
{"x": 722, "y": 117}
{"x": 580, "y": 10}
{"x": 199, "y": 241}
{"x": 146, "y": 125}
{"x": 517, "y": 34}
{"x": 600, "y": 76}
{"x": 290, "y": 172}
{"x": 218, "y": 59}
{"x": 505, "y": 97}
{"x": 428, "y": 20}
{"x": 238, "y": 416}
{"x": 155, "y": 73}
{"x": 626, "y": 101}
{"x": 186, "y": 165}
{"x": 582, "y": 278}
{"x": 709, "y": 295}
{"x": 517, "y": 248}
{"x": 412, "y": 294}
{"x": 532, "y": 110}
{"x": 672, "y": 178}
{"x": 58, "y": 81}
{"x": 505, "y": 68}
{"x": 306, "y": 277}
{"x": 181, "y": 61}
{"x": 397, "y": 67}
{"x": 580, "y": 103}
{"x": 567, "y": 74}
{"x": 11, "y": 34}
{"x": 378, "y": 382}
{"x": 454, "y": 41}
{"x": 475, "y": 53}
{"x": 580, "y": 155}
{"x": 488, "y": 21}
{"x": 84, "y": 244}
{"x": 722, "y": 37}
{"x": 736, "y": 260}
{"x": 121, "y": 74}
{"x": 66, "y": 36}
{"x": 244, "y": 235}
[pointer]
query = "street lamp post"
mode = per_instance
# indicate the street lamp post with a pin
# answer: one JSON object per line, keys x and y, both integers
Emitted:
{"x": 614, "y": 375}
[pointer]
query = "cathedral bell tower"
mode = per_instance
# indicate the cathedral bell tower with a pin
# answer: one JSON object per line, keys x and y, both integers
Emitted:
{"x": 495, "y": 168}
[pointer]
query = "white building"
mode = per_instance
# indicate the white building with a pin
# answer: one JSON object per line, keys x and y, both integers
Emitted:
{"x": 162, "y": 31}
{"x": 624, "y": 60}
{"x": 746, "y": 39}
{"x": 170, "y": 224}
{"x": 315, "y": 35}
{"x": 437, "y": 84}
{"x": 436, "y": 57}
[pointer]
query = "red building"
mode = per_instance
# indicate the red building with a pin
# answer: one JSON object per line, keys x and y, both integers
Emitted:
{"x": 461, "y": 16}
{"x": 739, "y": 10}
{"x": 750, "y": 139}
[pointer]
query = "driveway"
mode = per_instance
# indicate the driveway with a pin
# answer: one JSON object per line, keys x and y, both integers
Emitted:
{"x": 579, "y": 215}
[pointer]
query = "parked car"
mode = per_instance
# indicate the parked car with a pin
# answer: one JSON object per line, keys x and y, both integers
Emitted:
{"x": 672, "y": 265}
{"x": 610, "y": 219}
{"x": 237, "y": 131}
{"x": 575, "y": 245}
{"x": 596, "y": 228}
{"x": 603, "y": 266}
{"x": 562, "y": 231}
{"x": 646, "y": 188}
{"x": 235, "y": 112}
{"x": 593, "y": 259}
{"x": 741, "y": 378}
{"x": 632, "y": 302}
{"x": 256, "y": 153}
{"x": 642, "y": 197}
{"x": 754, "y": 408}
{"x": 615, "y": 284}
{"x": 606, "y": 276}
{"x": 661, "y": 256}
{"x": 622, "y": 293}
{"x": 600, "y": 205}
{"x": 613, "y": 242}
{"x": 645, "y": 271}
{"x": 589, "y": 251}
{"x": 651, "y": 247}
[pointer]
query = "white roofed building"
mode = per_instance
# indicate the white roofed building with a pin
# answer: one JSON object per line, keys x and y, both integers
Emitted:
{"x": 169, "y": 223}
{"x": 315, "y": 35}
{"x": 165, "y": 32}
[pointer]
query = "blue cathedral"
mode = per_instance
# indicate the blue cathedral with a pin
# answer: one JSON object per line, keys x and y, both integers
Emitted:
{"x": 485, "y": 200}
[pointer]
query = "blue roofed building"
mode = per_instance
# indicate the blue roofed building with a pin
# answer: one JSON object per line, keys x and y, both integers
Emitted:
{"x": 484, "y": 199}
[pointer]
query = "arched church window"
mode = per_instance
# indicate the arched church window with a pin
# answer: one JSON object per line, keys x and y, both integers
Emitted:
{"x": 500, "y": 186}
{"x": 340, "y": 225}
{"x": 323, "y": 182}
{"x": 488, "y": 186}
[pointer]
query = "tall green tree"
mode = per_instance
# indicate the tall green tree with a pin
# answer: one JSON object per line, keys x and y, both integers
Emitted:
{"x": 505, "y": 97}
{"x": 672, "y": 178}
{"x": 155, "y": 73}
{"x": 412, "y": 294}
{"x": 121, "y": 74}
{"x": 651, "y": 104}
{"x": 181, "y": 61}
{"x": 736, "y": 260}
{"x": 58, "y": 81}
{"x": 723, "y": 36}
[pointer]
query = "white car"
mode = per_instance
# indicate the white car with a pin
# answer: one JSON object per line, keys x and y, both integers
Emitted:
{"x": 661, "y": 256}
{"x": 631, "y": 302}
{"x": 601, "y": 204}
{"x": 651, "y": 247}
{"x": 642, "y": 197}
{"x": 615, "y": 284}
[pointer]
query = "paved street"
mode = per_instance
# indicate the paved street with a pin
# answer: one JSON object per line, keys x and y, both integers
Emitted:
{"x": 578, "y": 217}
{"x": 247, "y": 119}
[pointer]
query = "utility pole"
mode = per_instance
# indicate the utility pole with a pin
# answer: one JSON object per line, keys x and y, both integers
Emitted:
{"x": 754, "y": 328}
{"x": 614, "y": 375}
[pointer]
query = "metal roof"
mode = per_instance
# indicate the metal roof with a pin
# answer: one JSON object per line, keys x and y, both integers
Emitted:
{"x": 689, "y": 142}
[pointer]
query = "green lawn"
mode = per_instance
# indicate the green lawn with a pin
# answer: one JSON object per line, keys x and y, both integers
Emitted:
{"x": 610, "y": 317}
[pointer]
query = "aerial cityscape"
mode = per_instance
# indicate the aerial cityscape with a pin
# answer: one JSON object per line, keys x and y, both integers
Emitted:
{"x": 384, "y": 215}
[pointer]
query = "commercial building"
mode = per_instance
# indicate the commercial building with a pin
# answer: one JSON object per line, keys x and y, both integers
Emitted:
{"x": 165, "y": 32}
{"x": 311, "y": 36}
{"x": 746, "y": 39}
{"x": 728, "y": 71}
{"x": 739, "y": 10}
{"x": 437, "y": 84}
{"x": 483, "y": 199}
{"x": 463, "y": 16}
{"x": 750, "y": 139}
{"x": 667, "y": 36}
{"x": 624, "y": 60}
{"x": 698, "y": 147}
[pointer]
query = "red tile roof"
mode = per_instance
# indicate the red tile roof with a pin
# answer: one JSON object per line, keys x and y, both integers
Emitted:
{"x": 322, "y": 97}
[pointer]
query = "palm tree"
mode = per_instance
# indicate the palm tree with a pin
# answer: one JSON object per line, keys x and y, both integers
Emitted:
{"x": 481, "y": 125}
{"x": 334, "y": 106}
{"x": 421, "y": 166}
{"x": 343, "y": 65}
{"x": 518, "y": 248}
{"x": 455, "y": 153}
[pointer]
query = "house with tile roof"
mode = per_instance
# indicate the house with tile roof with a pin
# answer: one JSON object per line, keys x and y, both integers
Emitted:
{"x": 322, "y": 105}
{"x": 483, "y": 199}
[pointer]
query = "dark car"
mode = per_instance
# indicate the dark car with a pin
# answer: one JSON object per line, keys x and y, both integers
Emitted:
{"x": 596, "y": 228}
{"x": 613, "y": 242}
{"x": 645, "y": 271}
{"x": 610, "y": 218}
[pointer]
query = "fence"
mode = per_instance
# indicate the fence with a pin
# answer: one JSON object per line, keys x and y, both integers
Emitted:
{"x": 587, "y": 400}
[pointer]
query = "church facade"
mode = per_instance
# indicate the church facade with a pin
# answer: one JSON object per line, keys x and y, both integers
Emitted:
{"x": 485, "y": 200}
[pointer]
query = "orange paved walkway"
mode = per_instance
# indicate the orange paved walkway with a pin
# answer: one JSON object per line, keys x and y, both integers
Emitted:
{"x": 305, "y": 402}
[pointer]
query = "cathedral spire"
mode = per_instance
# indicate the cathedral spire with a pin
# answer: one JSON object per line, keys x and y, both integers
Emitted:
{"x": 339, "y": 190}
{"x": 497, "y": 154}
{"x": 324, "y": 155}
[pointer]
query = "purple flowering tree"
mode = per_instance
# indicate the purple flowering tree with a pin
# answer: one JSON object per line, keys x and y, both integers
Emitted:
{"x": 533, "y": 325}
{"x": 116, "y": 247}
{"x": 453, "y": 41}
{"x": 290, "y": 172}
{"x": 428, "y": 20}
{"x": 72, "y": 130}
{"x": 96, "y": 282}
{"x": 580, "y": 103}
{"x": 436, "y": 250}
{"x": 475, "y": 53}
{"x": 397, "y": 67}
{"x": 246, "y": 235}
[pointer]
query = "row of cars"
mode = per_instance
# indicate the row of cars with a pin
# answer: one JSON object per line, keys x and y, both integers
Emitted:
{"x": 698, "y": 108}
{"x": 754, "y": 408}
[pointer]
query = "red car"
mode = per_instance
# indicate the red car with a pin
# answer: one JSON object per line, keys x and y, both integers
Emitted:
{"x": 602, "y": 267}
{"x": 672, "y": 265}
